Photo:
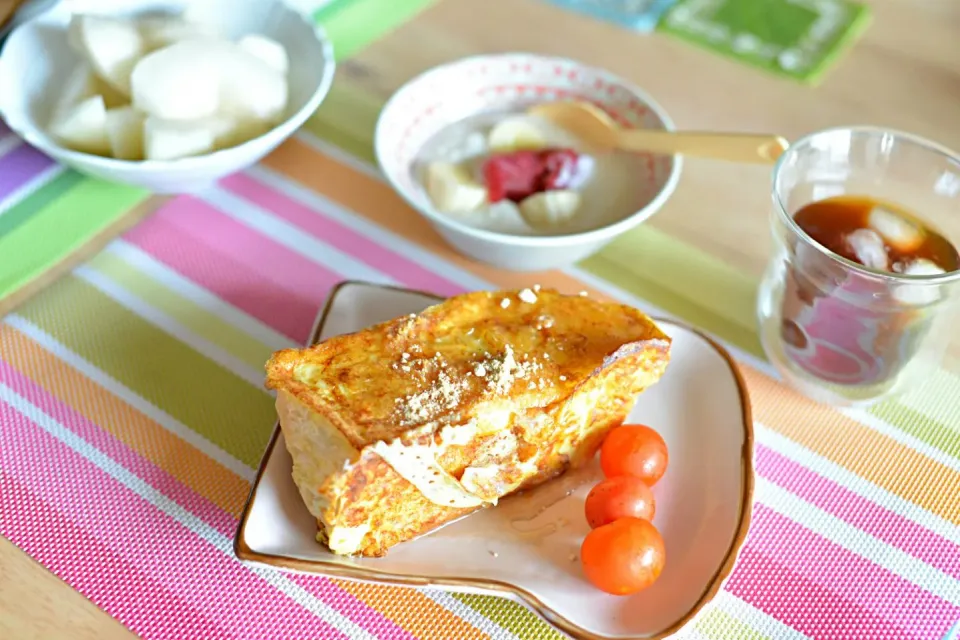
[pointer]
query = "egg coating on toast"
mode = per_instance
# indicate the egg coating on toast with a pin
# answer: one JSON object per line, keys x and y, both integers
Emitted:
{"x": 405, "y": 426}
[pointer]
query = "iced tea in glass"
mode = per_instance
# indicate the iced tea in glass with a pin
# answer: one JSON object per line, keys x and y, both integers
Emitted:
{"x": 861, "y": 297}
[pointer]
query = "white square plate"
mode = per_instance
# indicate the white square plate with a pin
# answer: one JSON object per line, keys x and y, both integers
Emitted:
{"x": 526, "y": 547}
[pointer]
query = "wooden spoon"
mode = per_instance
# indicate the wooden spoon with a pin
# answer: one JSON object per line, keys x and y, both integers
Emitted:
{"x": 596, "y": 127}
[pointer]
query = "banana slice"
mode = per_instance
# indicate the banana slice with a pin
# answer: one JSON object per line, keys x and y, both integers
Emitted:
{"x": 513, "y": 134}
{"x": 550, "y": 209}
{"x": 452, "y": 189}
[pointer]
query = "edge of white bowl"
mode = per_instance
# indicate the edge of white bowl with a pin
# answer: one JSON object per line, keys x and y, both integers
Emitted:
{"x": 282, "y": 131}
{"x": 600, "y": 233}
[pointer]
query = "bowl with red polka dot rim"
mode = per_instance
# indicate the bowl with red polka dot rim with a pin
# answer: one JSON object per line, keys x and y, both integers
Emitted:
{"x": 469, "y": 89}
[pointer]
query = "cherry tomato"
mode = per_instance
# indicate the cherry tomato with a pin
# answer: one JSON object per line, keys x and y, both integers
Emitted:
{"x": 623, "y": 557}
{"x": 619, "y": 497}
{"x": 634, "y": 450}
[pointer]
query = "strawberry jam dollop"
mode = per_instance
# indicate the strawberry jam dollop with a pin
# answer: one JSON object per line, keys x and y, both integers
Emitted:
{"x": 520, "y": 174}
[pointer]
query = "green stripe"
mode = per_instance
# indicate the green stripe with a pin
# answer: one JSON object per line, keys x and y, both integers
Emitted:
{"x": 682, "y": 280}
{"x": 353, "y": 24}
{"x": 920, "y": 426}
{"x": 937, "y": 398}
{"x": 719, "y": 625}
{"x": 36, "y": 201}
{"x": 193, "y": 317}
{"x": 196, "y": 391}
{"x": 62, "y": 226}
{"x": 513, "y": 617}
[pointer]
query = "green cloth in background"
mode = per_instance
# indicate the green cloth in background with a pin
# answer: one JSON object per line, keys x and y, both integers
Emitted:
{"x": 799, "y": 39}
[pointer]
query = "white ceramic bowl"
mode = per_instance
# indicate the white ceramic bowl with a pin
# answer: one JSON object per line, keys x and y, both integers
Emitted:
{"x": 454, "y": 91}
{"x": 36, "y": 59}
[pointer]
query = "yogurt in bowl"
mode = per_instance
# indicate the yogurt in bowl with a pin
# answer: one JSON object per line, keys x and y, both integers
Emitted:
{"x": 506, "y": 187}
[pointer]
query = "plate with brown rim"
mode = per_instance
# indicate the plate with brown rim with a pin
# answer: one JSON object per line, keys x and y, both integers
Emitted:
{"x": 526, "y": 547}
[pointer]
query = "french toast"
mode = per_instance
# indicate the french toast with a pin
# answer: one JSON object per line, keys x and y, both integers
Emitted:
{"x": 405, "y": 426}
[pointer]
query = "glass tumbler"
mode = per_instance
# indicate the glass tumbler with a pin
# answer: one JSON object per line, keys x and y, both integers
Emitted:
{"x": 837, "y": 331}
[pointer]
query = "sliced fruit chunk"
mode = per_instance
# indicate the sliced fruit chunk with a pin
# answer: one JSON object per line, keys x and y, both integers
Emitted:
{"x": 83, "y": 83}
{"x": 83, "y": 127}
{"x": 268, "y": 50}
{"x": 112, "y": 47}
{"x": 170, "y": 140}
{"x": 513, "y": 134}
{"x": 160, "y": 31}
{"x": 561, "y": 169}
{"x": 512, "y": 176}
{"x": 250, "y": 89}
{"x": 80, "y": 85}
{"x": 178, "y": 82}
{"x": 451, "y": 189}
{"x": 550, "y": 209}
{"x": 125, "y": 133}
{"x": 74, "y": 39}
{"x": 111, "y": 97}
{"x": 504, "y": 217}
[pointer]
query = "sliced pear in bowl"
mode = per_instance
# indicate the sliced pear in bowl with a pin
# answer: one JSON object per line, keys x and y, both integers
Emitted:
{"x": 111, "y": 46}
{"x": 83, "y": 126}
{"x": 451, "y": 189}
{"x": 514, "y": 134}
{"x": 550, "y": 209}
{"x": 269, "y": 51}
{"x": 178, "y": 82}
{"x": 125, "y": 133}
{"x": 172, "y": 140}
{"x": 161, "y": 31}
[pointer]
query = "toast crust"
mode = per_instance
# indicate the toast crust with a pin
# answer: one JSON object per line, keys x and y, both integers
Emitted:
{"x": 447, "y": 411}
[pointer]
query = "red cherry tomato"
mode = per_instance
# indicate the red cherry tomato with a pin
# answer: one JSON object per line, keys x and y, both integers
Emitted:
{"x": 619, "y": 497}
{"x": 634, "y": 450}
{"x": 623, "y": 557}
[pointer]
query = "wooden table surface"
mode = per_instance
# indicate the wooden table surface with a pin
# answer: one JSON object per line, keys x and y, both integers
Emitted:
{"x": 903, "y": 73}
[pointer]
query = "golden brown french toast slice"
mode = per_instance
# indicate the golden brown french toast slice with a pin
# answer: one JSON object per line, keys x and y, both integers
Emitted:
{"x": 409, "y": 424}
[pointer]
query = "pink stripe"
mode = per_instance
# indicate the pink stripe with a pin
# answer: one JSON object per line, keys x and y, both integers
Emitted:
{"x": 863, "y": 514}
{"x": 244, "y": 268}
{"x": 153, "y": 475}
{"x": 138, "y": 533}
{"x": 95, "y": 570}
{"x": 19, "y": 166}
{"x": 826, "y": 591}
{"x": 314, "y": 222}
{"x": 322, "y": 588}
{"x": 805, "y": 605}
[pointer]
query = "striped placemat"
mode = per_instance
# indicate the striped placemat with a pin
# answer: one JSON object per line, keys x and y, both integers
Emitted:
{"x": 132, "y": 416}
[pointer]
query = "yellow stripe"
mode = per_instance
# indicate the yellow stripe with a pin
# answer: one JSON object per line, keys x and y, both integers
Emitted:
{"x": 197, "y": 320}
